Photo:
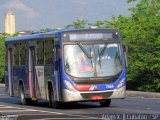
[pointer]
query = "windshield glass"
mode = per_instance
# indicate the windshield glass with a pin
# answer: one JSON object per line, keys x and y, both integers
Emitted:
{"x": 97, "y": 60}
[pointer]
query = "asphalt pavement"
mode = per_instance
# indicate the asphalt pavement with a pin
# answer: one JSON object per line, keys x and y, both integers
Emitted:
{"x": 130, "y": 108}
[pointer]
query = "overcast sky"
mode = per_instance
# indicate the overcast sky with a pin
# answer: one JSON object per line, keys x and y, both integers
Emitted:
{"x": 39, "y": 14}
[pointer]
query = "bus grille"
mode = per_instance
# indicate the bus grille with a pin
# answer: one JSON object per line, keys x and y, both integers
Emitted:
{"x": 104, "y": 95}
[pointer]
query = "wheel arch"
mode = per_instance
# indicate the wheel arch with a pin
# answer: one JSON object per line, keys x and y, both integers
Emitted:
{"x": 21, "y": 82}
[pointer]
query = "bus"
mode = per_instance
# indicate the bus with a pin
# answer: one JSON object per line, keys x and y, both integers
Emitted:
{"x": 68, "y": 65}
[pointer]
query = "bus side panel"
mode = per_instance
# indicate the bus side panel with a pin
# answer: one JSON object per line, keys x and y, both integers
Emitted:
{"x": 43, "y": 75}
{"x": 48, "y": 75}
{"x": 19, "y": 74}
{"x": 15, "y": 80}
{"x": 40, "y": 83}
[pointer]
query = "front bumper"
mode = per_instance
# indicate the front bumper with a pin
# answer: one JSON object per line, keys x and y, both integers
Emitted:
{"x": 72, "y": 96}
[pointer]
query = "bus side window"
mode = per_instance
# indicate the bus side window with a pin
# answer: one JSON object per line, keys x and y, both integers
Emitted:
{"x": 16, "y": 54}
{"x": 49, "y": 52}
{"x": 40, "y": 53}
{"x": 23, "y": 54}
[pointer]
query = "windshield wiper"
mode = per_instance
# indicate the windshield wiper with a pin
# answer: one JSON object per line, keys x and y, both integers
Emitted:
{"x": 102, "y": 51}
{"x": 81, "y": 46}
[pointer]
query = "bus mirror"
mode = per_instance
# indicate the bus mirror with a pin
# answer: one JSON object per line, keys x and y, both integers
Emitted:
{"x": 126, "y": 60}
{"x": 125, "y": 47}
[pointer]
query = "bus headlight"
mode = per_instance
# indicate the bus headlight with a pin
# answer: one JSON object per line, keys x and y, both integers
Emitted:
{"x": 121, "y": 84}
{"x": 69, "y": 85}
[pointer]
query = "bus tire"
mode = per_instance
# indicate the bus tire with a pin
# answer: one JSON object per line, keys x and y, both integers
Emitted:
{"x": 23, "y": 100}
{"x": 105, "y": 103}
{"x": 32, "y": 102}
{"x": 52, "y": 102}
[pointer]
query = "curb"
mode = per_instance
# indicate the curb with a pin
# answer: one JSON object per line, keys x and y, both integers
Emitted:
{"x": 2, "y": 85}
{"x": 142, "y": 94}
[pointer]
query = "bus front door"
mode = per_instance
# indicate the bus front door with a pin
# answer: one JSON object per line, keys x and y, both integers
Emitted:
{"x": 58, "y": 74}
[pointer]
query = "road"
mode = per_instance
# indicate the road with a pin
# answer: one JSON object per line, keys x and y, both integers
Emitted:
{"x": 125, "y": 109}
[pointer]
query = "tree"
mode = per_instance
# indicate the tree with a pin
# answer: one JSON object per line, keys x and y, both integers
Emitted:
{"x": 48, "y": 29}
{"x": 81, "y": 23}
{"x": 2, "y": 54}
{"x": 145, "y": 56}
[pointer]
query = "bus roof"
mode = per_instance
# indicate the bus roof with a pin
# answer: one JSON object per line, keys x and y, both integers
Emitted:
{"x": 31, "y": 36}
{"x": 51, "y": 34}
{"x": 87, "y": 29}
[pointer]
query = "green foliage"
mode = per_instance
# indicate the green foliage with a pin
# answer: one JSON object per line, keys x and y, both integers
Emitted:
{"x": 146, "y": 49}
{"x": 78, "y": 24}
{"x": 2, "y": 59}
{"x": 48, "y": 29}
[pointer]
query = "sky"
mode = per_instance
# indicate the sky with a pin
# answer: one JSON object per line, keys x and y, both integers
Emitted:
{"x": 40, "y": 14}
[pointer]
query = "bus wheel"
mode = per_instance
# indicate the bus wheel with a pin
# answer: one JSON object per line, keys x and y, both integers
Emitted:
{"x": 23, "y": 101}
{"x": 32, "y": 102}
{"x": 106, "y": 103}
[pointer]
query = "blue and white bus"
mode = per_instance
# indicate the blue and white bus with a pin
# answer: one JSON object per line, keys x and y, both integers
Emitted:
{"x": 67, "y": 65}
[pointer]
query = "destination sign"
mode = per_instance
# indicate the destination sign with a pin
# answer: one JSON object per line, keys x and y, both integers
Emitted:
{"x": 90, "y": 36}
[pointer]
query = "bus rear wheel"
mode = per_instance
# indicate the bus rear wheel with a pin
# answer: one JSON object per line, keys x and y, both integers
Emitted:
{"x": 23, "y": 100}
{"x": 52, "y": 102}
{"x": 105, "y": 103}
{"x": 32, "y": 102}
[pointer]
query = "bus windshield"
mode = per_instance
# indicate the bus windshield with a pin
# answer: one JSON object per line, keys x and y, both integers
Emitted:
{"x": 93, "y": 60}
